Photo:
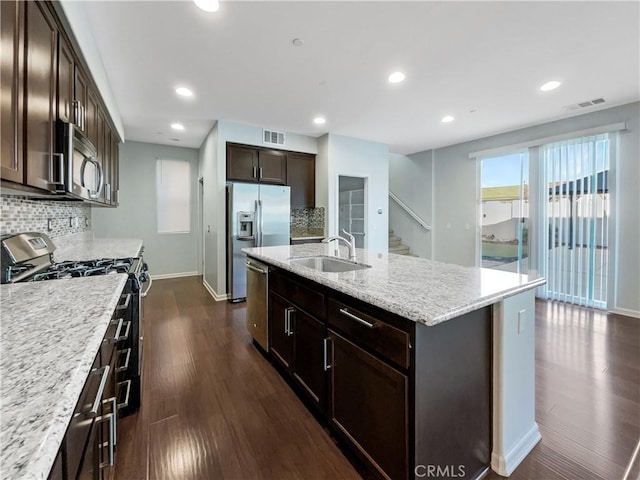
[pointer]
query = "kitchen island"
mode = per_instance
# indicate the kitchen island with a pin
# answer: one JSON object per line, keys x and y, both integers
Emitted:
{"x": 421, "y": 368}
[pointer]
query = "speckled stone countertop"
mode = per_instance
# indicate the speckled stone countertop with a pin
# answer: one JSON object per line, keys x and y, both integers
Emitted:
{"x": 84, "y": 247}
{"x": 421, "y": 290}
{"x": 50, "y": 333}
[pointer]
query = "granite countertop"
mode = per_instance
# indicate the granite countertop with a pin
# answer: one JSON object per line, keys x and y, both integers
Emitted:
{"x": 50, "y": 333}
{"x": 85, "y": 247}
{"x": 421, "y": 290}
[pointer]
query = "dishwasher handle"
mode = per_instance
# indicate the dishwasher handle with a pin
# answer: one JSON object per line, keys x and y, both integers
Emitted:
{"x": 250, "y": 266}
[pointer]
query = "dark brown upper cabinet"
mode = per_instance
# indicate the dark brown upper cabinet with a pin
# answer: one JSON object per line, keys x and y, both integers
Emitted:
{"x": 272, "y": 167}
{"x": 66, "y": 82}
{"x": 11, "y": 93}
{"x": 255, "y": 164}
{"x": 41, "y": 49}
{"x": 301, "y": 177}
{"x": 81, "y": 99}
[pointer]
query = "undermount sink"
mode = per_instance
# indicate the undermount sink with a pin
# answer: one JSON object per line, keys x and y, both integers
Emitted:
{"x": 328, "y": 264}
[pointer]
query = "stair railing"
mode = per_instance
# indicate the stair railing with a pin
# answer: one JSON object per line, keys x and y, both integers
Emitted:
{"x": 411, "y": 213}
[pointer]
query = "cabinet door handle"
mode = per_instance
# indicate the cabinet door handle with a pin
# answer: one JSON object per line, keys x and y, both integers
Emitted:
{"x": 260, "y": 171}
{"x": 357, "y": 319}
{"x": 58, "y": 183}
{"x": 326, "y": 364}
{"x": 255, "y": 172}
{"x": 287, "y": 320}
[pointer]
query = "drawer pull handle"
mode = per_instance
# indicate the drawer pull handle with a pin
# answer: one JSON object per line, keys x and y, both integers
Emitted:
{"x": 125, "y": 402}
{"x": 127, "y": 300}
{"x": 125, "y": 365}
{"x": 103, "y": 383}
{"x": 357, "y": 319}
{"x": 126, "y": 333}
{"x": 118, "y": 329}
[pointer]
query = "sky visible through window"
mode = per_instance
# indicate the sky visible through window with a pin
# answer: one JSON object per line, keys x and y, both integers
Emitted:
{"x": 502, "y": 171}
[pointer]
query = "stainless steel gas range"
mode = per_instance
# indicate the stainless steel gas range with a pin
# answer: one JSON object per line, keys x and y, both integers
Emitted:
{"x": 28, "y": 257}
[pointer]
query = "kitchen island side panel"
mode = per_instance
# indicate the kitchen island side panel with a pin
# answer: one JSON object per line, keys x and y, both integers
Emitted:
{"x": 453, "y": 388}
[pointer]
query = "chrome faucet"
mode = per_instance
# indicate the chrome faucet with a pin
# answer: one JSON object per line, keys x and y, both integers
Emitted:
{"x": 351, "y": 243}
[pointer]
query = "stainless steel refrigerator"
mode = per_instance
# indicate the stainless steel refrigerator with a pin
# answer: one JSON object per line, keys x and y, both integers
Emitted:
{"x": 257, "y": 216}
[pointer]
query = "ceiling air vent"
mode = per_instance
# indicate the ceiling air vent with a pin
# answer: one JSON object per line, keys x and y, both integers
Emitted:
{"x": 589, "y": 103}
{"x": 271, "y": 137}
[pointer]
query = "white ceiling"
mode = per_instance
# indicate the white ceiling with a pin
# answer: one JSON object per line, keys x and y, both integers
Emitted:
{"x": 481, "y": 62}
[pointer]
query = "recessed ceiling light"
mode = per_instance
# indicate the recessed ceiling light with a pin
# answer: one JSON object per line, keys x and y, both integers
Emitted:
{"x": 447, "y": 119}
{"x": 184, "y": 92}
{"x": 297, "y": 42}
{"x": 550, "y": 85}
{"x": 319, "y": 120}
{"x": 396, "y": 77}
{"x": 177, "y": 126}
{"x": 208, "y": 5}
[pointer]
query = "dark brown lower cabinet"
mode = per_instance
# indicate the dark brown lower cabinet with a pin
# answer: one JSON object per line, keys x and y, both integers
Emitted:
{"x": 308, "y": 356}
{"x": 297, "y": 343}
{"x": 280, "y": 341}
{"x": 402, "y": 397}
{"x": 368, "y": 404}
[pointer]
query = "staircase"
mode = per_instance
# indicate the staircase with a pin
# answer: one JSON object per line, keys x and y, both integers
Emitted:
{"x": 395, "y": 245}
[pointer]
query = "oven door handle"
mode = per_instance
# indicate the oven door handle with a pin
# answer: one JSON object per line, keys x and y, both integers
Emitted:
{"x": 146, "y": 292}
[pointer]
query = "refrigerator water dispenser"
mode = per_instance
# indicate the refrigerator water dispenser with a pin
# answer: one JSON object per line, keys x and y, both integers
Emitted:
{"x": 245, "y": 225}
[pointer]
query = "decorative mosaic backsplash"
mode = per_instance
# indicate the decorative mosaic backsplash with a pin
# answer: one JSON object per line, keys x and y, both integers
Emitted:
{"x": 307, "y": 221}
{"x": 23, "y": 214}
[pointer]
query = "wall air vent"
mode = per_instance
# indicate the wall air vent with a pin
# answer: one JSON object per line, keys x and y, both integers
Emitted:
{"x": 271, "y": 137}
{"x": 589, "y": 103}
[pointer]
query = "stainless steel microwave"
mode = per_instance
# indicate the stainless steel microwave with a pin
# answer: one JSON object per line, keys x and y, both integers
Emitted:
{"x": 82, "y": 172}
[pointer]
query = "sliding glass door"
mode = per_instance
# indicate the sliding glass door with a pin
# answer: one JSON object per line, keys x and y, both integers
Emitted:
{"x": 576, "y": 206}
{"x": 505, "y": 212}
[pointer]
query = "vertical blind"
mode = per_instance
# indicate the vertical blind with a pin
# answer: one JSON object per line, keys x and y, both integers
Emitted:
{"x": 173, "y": 196}
{"x": 576, "y": 216}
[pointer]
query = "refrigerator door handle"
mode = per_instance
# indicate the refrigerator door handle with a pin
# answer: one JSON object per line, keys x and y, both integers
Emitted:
{"x": 260, "y": 225}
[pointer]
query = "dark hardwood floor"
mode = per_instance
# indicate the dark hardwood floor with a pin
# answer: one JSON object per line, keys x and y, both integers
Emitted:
{"x": 214, "y": 408}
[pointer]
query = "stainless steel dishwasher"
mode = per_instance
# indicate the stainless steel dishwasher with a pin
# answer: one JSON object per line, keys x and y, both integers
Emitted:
{"x": 257, "y": 301}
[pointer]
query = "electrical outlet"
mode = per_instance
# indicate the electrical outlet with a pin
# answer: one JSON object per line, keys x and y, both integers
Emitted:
{"x": 49, "y": 224}
{"x": 522, "y": 318}
{"x": 71, "y": 222}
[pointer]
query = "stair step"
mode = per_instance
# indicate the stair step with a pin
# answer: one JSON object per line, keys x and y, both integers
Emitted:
{"x": 399, "y": 250}
{"x": 394, "y": 241}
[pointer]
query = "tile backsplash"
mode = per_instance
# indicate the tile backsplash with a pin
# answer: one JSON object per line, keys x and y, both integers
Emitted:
{"x": 306, "y": 221}
{"x": 23, "y": 214}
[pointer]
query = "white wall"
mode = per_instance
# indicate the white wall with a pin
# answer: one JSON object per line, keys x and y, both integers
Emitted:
{"x": 212, "y": 159}
{"x": 410, "y": 178}
{"x": 135, "y": 217}
{"x": 456, "y": 183}
{"x": 339, "y": 155}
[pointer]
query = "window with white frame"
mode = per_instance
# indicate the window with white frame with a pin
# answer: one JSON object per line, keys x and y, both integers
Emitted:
{"x": 173, "y": 196}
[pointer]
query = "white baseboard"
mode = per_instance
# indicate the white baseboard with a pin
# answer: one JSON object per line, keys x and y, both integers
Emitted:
{"x": 174, "y": 275}
{"x": 626, "y": 312}
{"x": 216, "y": 297}
{"x": 505, "y": 465}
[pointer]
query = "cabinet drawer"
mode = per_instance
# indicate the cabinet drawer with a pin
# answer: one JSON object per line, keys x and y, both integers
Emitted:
{"x": 85, "y": 414}
{"x": 370, "y": 331}
{"x": 307, "y": 299}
